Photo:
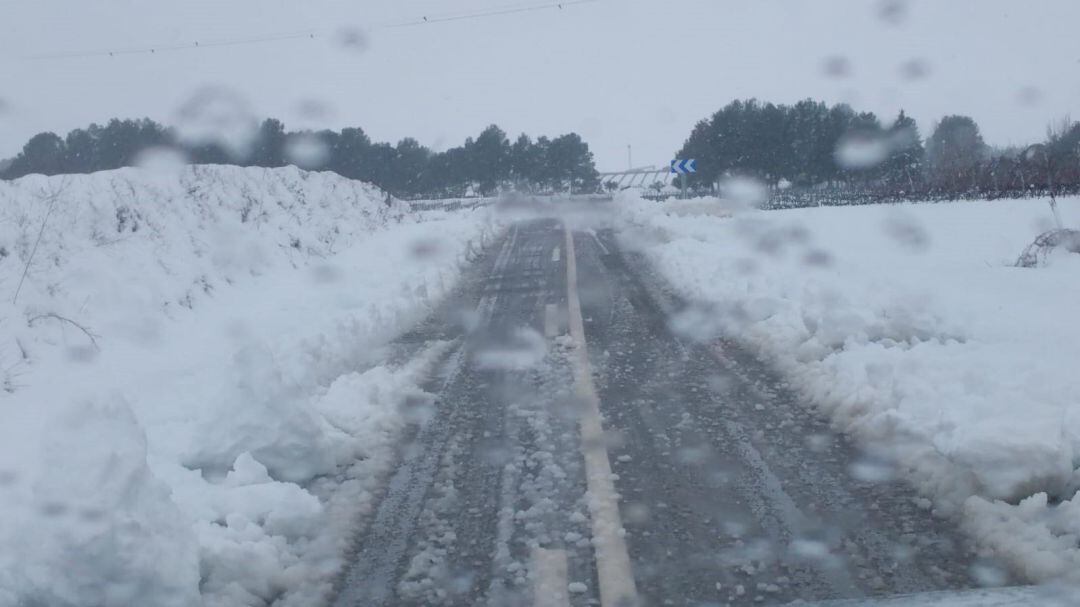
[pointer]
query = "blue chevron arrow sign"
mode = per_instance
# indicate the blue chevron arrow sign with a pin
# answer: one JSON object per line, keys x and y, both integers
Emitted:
{"x": 683, "y": 167}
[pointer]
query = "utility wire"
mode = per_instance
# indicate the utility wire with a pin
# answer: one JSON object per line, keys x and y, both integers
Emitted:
{"x": 491, "y": 13}
{"x": 164, "y": 48}
{"x": 301, "y": 35}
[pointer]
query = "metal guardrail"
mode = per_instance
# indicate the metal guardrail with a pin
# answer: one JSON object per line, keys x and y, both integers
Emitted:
{"x": 449, "y": 204}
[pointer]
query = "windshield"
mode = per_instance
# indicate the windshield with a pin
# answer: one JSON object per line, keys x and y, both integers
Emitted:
{"x": 595, "y": 302}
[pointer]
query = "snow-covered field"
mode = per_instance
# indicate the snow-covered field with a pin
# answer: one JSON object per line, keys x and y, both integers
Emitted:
{"x": 910, "y": 328}
{"x": 193, "y": 396}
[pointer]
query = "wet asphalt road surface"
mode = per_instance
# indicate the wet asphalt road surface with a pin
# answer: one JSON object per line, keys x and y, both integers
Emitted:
{"x": 730, "y": 492}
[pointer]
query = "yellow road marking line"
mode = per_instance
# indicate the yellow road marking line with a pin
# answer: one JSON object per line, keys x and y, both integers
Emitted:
{"x": 617, "y": 586}
{"x": 549, "y": 571}
{"x": 551, "y": 320}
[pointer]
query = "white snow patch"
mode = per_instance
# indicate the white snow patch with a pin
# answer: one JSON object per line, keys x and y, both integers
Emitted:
{"x": 192, "y": 387}
{"x": 910, "y": 328}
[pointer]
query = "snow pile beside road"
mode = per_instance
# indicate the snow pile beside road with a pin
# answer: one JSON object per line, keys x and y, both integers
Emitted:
{"x": 193, "y": 400}
{"x": 910, "y": 328}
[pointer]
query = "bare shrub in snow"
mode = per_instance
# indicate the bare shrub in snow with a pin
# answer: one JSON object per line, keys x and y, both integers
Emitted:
{"x": 1036, "y": 253}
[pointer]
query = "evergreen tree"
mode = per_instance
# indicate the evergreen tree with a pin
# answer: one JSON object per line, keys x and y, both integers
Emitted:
{"x": 903, "y": 168}
{"x": 491, "y": 158}
{"x": 269, "y": 146}
{"x": 408, "y": 167}
{"x": 954, "y": 152}
{"x": 44, "y": 153}
{"x": 350, "y": 154}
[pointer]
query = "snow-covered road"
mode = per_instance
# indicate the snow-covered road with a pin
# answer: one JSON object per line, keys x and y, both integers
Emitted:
{"x": 726, "y": 490}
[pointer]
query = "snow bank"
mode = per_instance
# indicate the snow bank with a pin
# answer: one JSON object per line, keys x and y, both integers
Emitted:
{"x": 909, "y": 327}
{"x": 193, "y": 405}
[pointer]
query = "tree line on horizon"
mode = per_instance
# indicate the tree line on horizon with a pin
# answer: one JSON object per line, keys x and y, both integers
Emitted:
{"x": 813, "y": 145}
{"x": 482, "y": 165}
{"x": 806, "y": 146}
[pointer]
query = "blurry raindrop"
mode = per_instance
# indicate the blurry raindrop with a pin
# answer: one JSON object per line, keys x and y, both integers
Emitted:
{"x": 915, "y": 69}
{"x": 53, "y": 509}
{"x": 82, "y": 353}
{"x": 988, "y": 574}
{"x": 721, "y": 384}
{"x": 92, "y": 515}
{"x": 353, "y": 39}
{"x": 614, "y": 440}
{"x": 810, "y": 549}
{"x": 798, "y": 234}
{"x": 861, "y": 150}
{"x": 418, "y": 408}
{"x": 733, "y": 528}
{"x": 836, "y": 66}
{"x": 903, "y": 553}
{"x": 425, "y": 248}
{"x": 326, "y": 273}
{"x": 718, "y": 478}
{"x": 744, "y": 192}
{"x": 693, "y": 455}
{"x": 495, "y": 452}
{"x": 818, "y": 258}
{"x": 637, "y": 513}
{"x": 1029, "y": 95}
{"x": 217, "y": 115}
{"x": 4, "y": 105}
{"x": 461, "y": 582}
{"x": 314, "y": 109}
{"x": 903, "y": 138}
{"x": 892, "y": 11}
{"x": 611, "y": 440}
{"x": 307, "y": 151}
{"x": 161, "y": 159}
{"x": 1043, "y": 224}
{"x": 524, "y": 348}
{"x": 818, "y": 443}
{"x": 467, "y": 318}
{"x": 872, "y": 470}
{"x": 746, "y": 266}
{"x": 8, "y": 477}
{"x": 698, "y": 323}
{"x": 907, "y": 231}
{"x": 772, "y": 242}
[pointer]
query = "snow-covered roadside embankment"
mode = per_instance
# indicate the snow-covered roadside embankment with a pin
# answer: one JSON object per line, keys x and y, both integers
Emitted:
{"x": 908, "y": 326}
{"x": 193, "y": 405}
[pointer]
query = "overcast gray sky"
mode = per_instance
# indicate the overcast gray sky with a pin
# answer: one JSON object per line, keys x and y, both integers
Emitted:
{"x": 638, "y": 72}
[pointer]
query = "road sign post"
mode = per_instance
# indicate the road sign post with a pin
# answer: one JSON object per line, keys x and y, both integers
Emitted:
{"x": 682, "y": 168}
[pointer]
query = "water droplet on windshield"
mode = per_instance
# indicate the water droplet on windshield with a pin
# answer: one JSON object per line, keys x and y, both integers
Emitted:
{"x": 353, "y": 39}
{"x": 836, "y": 67}
{"x": 893, "y": 12}
{"x": 162, "y": 160}
{"x": 862, "y": 150}
{"x": 915, "y": 69}
{"x": 873, "y": 470}
{"x": 1029, "y": 96}
{"x": 307, "y": 151}
{"x": 217, "y": 116}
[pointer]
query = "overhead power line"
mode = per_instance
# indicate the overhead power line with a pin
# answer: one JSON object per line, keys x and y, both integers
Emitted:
{"x": 151, "y": 49}
{"x": 165, "y": 48}
{"x": 490, "y": 13}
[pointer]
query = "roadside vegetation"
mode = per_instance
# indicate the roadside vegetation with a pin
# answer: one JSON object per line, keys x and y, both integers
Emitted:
{"x": 811, "y": 151}
{"x": 480, "y": 166}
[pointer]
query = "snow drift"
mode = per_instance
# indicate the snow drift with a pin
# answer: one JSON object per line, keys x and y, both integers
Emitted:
{"x": 909, "y": 326}
{"x": 192, "y": 398}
